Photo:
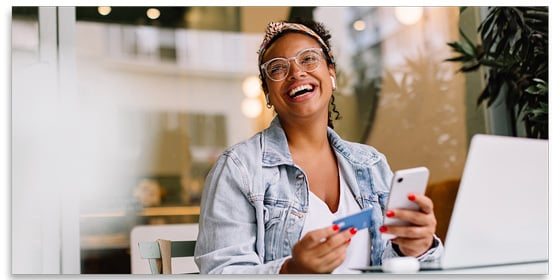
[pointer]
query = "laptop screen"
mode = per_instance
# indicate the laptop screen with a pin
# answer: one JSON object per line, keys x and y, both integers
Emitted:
{"x": 501, "y": 210}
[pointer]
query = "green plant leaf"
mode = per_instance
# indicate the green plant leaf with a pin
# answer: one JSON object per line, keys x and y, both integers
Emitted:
{"x": 493, "y": 63}
{"x": 495, "y": 86}
{"x": 483, "y": 96}
{"x": 457, "y": 58}
{"x": 469, "y": 68}
{"x": 487, "y": 23}
{"x": 518, "y": 16}
{"x": 514, "y": 49}
{"x": 490, "y": 25}
{"x": 532, "y": 90}
{"x": 457, "y": 47}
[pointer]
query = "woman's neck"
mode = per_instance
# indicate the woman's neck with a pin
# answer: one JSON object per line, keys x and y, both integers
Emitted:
{"x": 305, "y": 136}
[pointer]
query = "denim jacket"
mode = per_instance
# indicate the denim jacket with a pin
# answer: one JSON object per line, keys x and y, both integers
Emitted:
{"x": 255, "y": 201}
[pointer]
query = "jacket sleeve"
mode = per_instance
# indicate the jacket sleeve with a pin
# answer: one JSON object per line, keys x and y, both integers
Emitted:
{"x": 434, "y": 254}
{"x": 227, "y": 226}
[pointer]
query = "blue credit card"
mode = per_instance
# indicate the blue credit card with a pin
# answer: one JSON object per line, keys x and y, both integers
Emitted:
{"x": 360, "y": 220}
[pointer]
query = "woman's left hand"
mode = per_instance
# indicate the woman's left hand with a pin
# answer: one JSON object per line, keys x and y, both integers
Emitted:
{"x": 413, "y": 240}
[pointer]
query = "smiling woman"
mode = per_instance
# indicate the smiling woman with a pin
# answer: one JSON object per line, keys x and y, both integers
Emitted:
{"x": 165, "y": 97}
{"x": 299, "y": 171}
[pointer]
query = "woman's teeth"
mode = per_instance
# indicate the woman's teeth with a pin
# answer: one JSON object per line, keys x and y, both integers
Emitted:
{"x": 300, "y": 89}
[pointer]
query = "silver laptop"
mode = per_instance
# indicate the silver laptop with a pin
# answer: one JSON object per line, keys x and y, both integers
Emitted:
{"x": 501, "y": 211}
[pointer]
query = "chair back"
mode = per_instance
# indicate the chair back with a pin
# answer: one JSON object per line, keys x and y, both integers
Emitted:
{"x": 159, "y": 253}
{"x": 142, "y": 238}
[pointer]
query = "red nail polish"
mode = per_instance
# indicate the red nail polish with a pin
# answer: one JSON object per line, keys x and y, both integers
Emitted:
{"x": 348, "y": 241}
{"x": 411, "y": 197}
{"x": 335, "y": 227}
{"x": 390, "y": 214}
{"x": 383, "y": 229}
{"x": 353, "y": 231}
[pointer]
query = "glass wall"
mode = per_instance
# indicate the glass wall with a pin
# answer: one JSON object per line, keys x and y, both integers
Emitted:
{"x": 170, "y": 98}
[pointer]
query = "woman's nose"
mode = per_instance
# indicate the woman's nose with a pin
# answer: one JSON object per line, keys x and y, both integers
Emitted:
{"x": 295, "y": 70}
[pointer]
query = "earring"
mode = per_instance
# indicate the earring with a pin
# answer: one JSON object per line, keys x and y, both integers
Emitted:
{"x": 268, "y": 105}
{"x": 333, "y": 83}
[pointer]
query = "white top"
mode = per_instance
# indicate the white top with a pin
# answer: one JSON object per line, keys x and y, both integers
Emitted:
{"x": 320, "y": 216}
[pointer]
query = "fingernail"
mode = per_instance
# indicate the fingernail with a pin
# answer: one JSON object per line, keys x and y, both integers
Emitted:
{"x": 353, "y": 231}
{"x": 349, "y": 239}
{"x": 383, "y": 229}
{"x": 411, "y": 197}
{"x": 335, "y": 227}
{"x": 390, "y": 214}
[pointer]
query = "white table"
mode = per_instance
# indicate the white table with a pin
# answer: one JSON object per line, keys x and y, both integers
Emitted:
{"x": 524, "y": 268}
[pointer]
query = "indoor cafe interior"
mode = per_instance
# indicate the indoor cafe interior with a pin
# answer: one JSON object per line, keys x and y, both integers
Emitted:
{"x": 119, "y": 113}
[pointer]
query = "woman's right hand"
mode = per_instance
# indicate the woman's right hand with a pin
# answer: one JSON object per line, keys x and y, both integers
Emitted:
{"x": 319, "y": 251}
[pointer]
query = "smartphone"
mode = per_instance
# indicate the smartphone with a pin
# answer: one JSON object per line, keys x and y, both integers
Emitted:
{"x": 405, "y": 181}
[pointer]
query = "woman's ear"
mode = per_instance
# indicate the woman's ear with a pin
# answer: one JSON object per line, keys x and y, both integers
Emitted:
{"x": 263, "y": 84}
{"x": 332, "y": 72}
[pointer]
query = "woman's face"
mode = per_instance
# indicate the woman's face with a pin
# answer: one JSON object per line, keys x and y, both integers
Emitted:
{"x": 301, "y": 95}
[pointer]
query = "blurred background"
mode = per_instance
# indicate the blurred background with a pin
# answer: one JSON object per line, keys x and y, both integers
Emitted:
{"x": 118, "y": 113}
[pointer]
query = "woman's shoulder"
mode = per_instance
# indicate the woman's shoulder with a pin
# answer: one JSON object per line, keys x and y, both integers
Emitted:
{"x": 361, "y": 153}
{"x": 248, "y": 150}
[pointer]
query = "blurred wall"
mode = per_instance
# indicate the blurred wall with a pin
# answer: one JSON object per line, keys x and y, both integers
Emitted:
{"x": 421, "y": 115}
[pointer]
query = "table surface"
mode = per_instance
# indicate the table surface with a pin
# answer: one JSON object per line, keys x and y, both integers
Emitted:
{"x": 523, "y": 268}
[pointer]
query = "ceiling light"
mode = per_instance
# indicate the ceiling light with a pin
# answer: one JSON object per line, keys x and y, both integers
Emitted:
{"x": 251, "y": 107}
{"x": 359, "y": 25}
{"x": 408, "y": 15}
{"x": 252, "y": 87}
{"x": 153, "y": 13}
{"x": 104, "y": 10}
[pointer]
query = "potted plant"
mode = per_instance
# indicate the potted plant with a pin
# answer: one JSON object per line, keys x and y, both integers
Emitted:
{"x": 514, "y": 50}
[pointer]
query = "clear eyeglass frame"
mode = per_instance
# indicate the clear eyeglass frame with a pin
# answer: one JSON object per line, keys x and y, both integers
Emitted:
{"x": 297, "y": 58}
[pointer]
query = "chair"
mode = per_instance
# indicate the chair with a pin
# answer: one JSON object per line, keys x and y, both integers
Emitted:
{"x": 145, "y": 236}
{"x": 159, "y": 253}
{"x": 443, "y": 195}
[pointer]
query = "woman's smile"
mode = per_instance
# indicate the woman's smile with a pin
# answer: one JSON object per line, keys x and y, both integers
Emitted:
{"x": 301, "y": 91}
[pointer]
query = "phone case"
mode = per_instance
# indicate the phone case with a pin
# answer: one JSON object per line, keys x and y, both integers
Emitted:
{"x": 413, "y": 180}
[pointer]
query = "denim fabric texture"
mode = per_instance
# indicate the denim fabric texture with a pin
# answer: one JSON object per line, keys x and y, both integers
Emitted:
{"x": 255, "y": 201}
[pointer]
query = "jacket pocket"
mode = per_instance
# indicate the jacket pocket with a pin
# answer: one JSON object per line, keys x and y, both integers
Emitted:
{"x": 274, "y": 217}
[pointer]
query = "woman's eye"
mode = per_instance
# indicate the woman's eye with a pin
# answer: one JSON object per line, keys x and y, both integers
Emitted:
{"x": 276, "y": 69}
{"x": 309, "y": 58}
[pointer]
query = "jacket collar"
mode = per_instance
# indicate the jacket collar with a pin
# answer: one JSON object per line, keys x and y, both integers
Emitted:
{"x": 276, "y": 151}
{"x": 275, "y": 145}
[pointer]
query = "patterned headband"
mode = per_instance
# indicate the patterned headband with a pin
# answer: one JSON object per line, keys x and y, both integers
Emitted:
{"x": 275, "y": 28}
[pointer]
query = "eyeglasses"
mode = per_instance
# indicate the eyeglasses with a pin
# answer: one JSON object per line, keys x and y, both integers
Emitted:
{"x": 308, "y": 60}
